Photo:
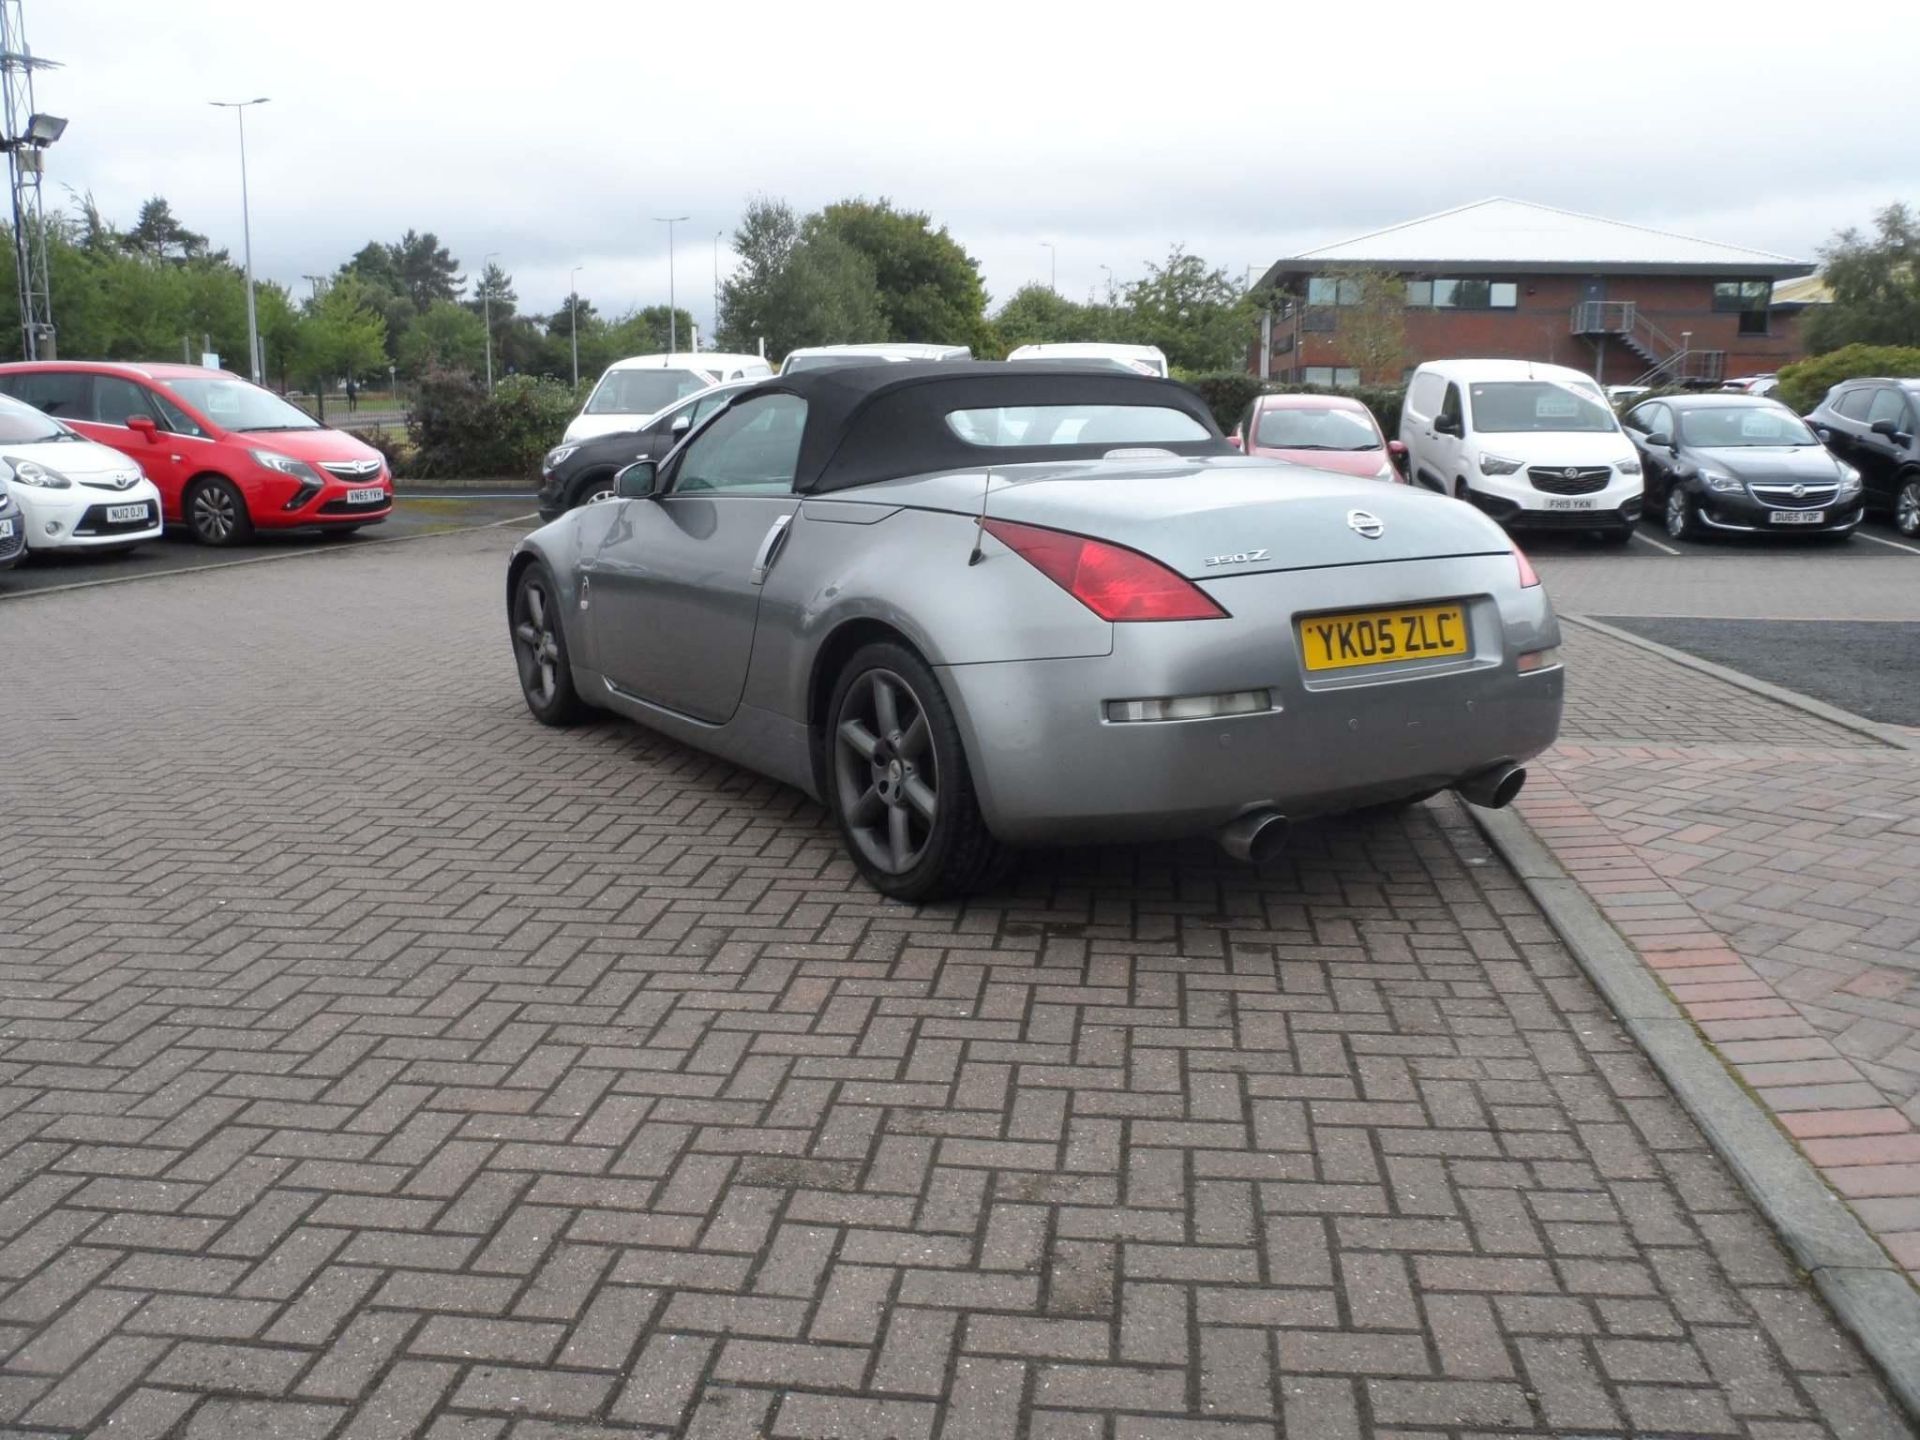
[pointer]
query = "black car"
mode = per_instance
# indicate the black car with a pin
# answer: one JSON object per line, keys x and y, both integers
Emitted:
{"x": 13, "y": 531}
{"x": 1739, "y": 463}
{"x": 1874, "y": 425}
{"x": 580, "y": 471}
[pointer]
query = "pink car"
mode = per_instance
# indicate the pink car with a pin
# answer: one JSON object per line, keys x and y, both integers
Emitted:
{"x": 1328, "y": 432}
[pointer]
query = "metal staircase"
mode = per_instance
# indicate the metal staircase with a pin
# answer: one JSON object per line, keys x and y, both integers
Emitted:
{"x": 1668, "y": 361}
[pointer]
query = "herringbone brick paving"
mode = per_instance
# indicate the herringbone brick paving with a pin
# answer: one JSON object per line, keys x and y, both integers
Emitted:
{"x": 374, "y": 1062}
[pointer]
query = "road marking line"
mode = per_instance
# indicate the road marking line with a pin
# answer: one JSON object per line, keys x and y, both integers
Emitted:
{"x": 1666, "y": 549}
{"x": 1890, "y": 544}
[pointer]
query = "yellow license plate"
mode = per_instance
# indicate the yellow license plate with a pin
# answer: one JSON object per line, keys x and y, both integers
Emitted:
{"x": 1378, "y": 637}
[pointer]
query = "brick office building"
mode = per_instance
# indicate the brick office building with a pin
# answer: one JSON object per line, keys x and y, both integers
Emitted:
{"x": 1510, "y": 279}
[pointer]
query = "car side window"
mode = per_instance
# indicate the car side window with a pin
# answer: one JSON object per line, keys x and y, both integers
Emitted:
{"x": 1450, "y": 407}
{"x": 1639, "y": 420}
{"x": 63, "y": 394}
{"x": 1888, "y": 404}
{"x": 1657, "y": 419}
{"x": 1854, "y": 403}
{"x": 172, "y": 417}
{"x": 704, "y": 408}
{"x": 115, "y": 399}
{"x": 752, "y": 449}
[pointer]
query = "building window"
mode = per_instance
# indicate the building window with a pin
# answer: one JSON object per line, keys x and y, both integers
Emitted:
{"x": 1325, "y": 290}
{"x": 1345, "y": 376}
{"x": 1452, "y": 293}
{"x": 1749, "y": 298}
{"x": 1318, "y": 322}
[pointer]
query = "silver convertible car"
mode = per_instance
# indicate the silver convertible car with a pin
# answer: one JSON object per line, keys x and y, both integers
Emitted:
{"x": 974, "y": 606}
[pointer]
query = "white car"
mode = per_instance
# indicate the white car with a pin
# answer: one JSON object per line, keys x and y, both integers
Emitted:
{"x": 72, "y": 494}
{"x": 885, "y": 352}
{"x": 1142, "y": 359}
{"x": 1753, "y": 384}
{"x": 13, "y": 532}
{"x": 634, "y": 390}
{"x": 1535, "y": 446}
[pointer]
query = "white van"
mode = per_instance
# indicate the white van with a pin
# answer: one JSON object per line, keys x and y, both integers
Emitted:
{"x": 884, "y": 352}
{"x": 1141, "y": 359}
{"x": 635, "y": 389}
{"x": 1535, "y": 446}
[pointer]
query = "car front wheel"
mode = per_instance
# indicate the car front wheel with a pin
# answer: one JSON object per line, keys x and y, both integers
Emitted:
{"x": 1681, "y": 524}
{"x": 217, "y": 514}
{"x": 540, "y": 649}
{"x": 593, "y": 489}
{"x": 898, "y": 780}
{"x": 1906, "y": 507}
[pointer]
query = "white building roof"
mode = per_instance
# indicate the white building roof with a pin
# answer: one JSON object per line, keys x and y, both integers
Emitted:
{"x": 1519, "y": 236}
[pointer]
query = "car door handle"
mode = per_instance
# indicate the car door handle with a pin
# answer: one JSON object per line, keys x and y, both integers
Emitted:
{"x": 769, "y": 550}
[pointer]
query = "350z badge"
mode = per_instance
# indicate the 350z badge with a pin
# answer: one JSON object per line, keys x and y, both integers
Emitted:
{"x": 1242, "y": 557}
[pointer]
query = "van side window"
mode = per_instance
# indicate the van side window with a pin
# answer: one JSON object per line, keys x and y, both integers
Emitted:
{"x": 1425, "y": 393}
{"x": 1450, "y": 407}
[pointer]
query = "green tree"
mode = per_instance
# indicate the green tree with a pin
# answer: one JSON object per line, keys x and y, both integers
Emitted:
{"x": 159, "y": 236}
{"x": 1373, "y": 332}
{"x": 447, "y": 336}
{"x": 341, "y": 334}
{"x": 426, "y": 270}
{"x": 1196, "y": 314}
{"x": 645, "y": 332}
{"x": 827, "y": 296}
{"x": 1875, "y": 282}
{"x": 762, "y": 244}
{"x": 929, "y": 287}
{"x": 1037, "y": 315}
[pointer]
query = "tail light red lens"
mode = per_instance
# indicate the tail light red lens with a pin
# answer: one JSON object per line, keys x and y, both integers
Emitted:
{"x": 1112, "y": 581}
{"x": 1527, "y": 578}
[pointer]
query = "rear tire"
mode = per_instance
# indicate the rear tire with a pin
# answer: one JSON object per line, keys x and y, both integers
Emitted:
{"x": 1906, "y": 506}
{"x": 217, "y": 513}
{"x": 898, "y": 781}
{"x": 540, "y": 649}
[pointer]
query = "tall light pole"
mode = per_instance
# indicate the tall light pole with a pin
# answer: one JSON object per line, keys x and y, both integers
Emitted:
{"x": 486, "y": 314}
{"x": 673, "y": 323}
{"x": 1053, "y": 272}
{"x": 239, "y": 108}
{"x": 718, "y": 235}
{"x": 573, "y": 312}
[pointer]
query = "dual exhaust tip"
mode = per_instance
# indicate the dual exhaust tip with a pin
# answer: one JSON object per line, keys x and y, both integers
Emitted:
{"x": 1260, "y": 835}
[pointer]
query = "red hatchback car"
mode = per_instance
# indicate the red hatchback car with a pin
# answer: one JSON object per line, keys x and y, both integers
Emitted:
{"x": 1327, "y": 432}
{"x": 228, "y": 457}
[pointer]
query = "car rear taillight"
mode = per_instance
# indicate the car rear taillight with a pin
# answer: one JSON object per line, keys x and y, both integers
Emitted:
{"x": 1112, "y": 581}
{"x": 1527, "y": 578}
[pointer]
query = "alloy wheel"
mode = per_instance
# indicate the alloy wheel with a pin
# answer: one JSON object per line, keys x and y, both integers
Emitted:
{"x": 1906, "y": 510}
{"x": 885, "y": 771}
{"x": 1678, "y": 518}
{"x": 598, "y": 495}
{"x": 215, "y": 514}
{"x": 535, "y": 649}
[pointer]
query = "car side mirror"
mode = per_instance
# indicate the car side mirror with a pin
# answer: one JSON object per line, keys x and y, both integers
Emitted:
{"x": 1662, "y": 439}
{"x": 145, "y": 425}
{"x": 1397, "y": 453}
{"x": 1884, "y": 427}
{"x": 1446, "y": 425}
{"x": 1233, "y": 439}
{"x": 636, "y": 482}
{"x": 681, "y": 424}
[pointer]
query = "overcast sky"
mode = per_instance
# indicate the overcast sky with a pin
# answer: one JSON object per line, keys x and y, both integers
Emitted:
{"x": 554, "y": 132}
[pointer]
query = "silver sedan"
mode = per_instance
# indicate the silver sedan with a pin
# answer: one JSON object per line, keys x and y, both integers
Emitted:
{"x": 977, "y": 606}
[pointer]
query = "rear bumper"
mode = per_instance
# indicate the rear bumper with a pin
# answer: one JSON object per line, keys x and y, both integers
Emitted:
{"x": 1051, "y": 767}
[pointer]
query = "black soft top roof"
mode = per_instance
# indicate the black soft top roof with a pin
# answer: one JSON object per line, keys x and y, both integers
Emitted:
{"x": 869, "y": 423}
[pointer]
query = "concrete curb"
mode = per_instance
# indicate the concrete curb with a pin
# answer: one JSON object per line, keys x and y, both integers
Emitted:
{"x": 1832, "y": 714}
{"x": 314, "y": 552}
{"x": 1870, "y": 1295}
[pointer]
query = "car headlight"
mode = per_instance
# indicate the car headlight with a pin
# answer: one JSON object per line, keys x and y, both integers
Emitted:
{"x": 1629, "y": 467}
{"x": 1497, "y": 464}
{"x": 32, "y": 472}
{"x": 285, "y": 465}
{"x": 556, "y": 455}
{"x": 1849, "y": 479}
{"x": 1716, "y": 481}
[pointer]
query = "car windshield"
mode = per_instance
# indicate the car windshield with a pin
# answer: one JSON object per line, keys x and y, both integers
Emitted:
{"x": 1728, "y": 427}
{"x": 24, "y": 425}
{"x": 236, "y": 405}
{"x": 1020, "y": 425}
{"x": 642, "y": 392}
{"x": 1506, "y": 406}
{"x": 1283, "y": 429}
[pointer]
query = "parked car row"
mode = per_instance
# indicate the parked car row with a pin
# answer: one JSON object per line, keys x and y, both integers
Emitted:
{"x": 883, "y": 584}
{"x": 103, "y": 456}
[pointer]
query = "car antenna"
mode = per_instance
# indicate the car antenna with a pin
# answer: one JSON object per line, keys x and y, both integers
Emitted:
{"x": 980, "y": 524}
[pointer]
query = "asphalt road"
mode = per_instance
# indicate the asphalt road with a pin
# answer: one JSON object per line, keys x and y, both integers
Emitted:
{"x": 1870, "y": 667}
{"x": 411, "y": 516}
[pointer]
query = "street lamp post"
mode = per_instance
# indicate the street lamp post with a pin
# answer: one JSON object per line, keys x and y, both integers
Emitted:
{"x": 673, "y": 326}
{"x": 239, "y": 108}
{"x": 718, "y": 235}
{"x": 573, "y": 315}
{"x": 1053, "y": 270}
{"x": 486, "y": 314}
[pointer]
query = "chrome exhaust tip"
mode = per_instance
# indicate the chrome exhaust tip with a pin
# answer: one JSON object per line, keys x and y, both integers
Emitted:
{"x": 1255, "y": 838}
{"x": 1494, "y": 788}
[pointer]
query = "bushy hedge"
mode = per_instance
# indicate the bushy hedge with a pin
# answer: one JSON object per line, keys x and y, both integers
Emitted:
{"x": 458, "y": 430}
{"x": 1227, "y": 393}
{"x": 1805, "y": 383}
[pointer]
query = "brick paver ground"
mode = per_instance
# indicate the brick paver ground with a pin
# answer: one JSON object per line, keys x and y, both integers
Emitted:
{"x": 374, "y": 1062}
{"x": 1773, "y": 879}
